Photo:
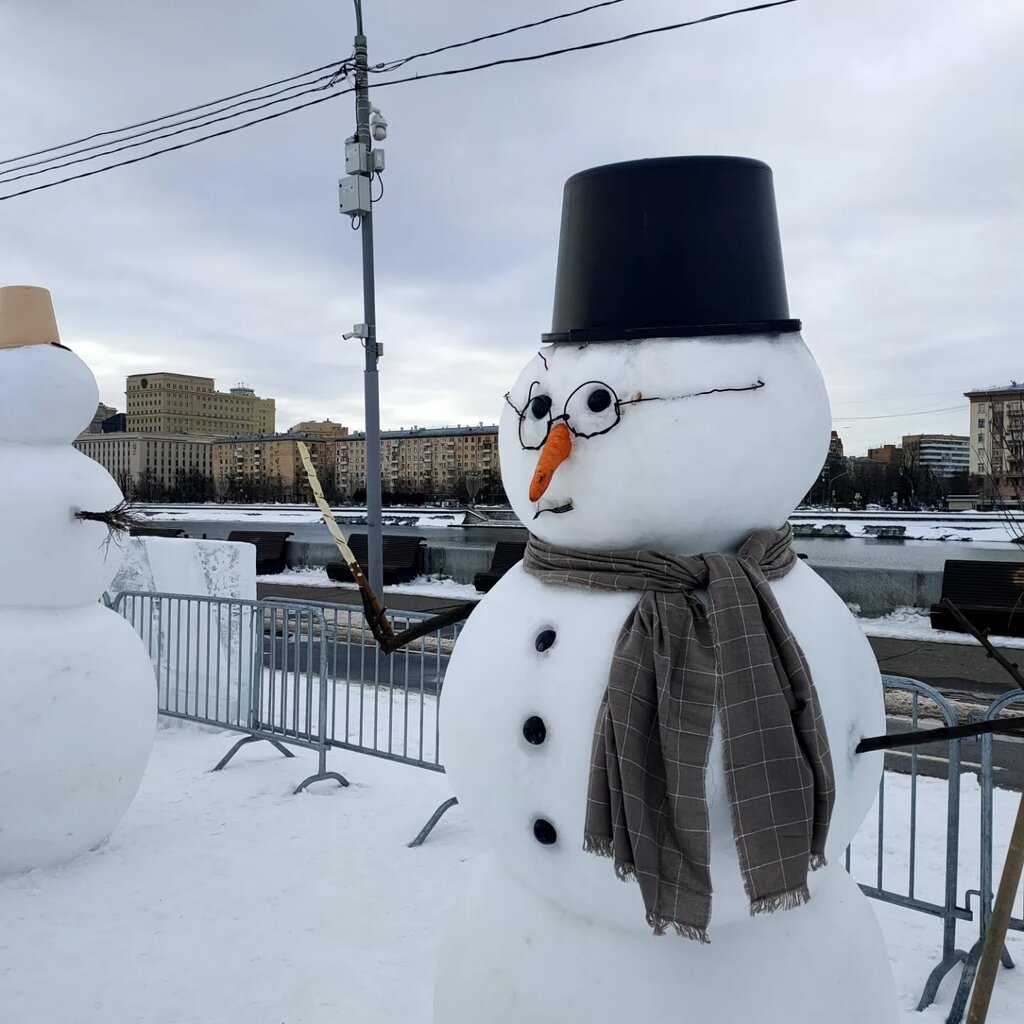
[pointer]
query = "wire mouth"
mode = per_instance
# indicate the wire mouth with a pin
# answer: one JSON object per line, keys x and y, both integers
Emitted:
{"x": 556, "y": 510}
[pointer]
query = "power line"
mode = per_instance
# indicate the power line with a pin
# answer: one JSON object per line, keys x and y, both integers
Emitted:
{"x": 300, "y": 106}
{"x": 394, "y": 65}
{"x": 206, "y": 122}
{"x": 586, "y": 46}
{"x": 180, "y": 145}
{"x": 164, "y": 117}
{"x": 898, "y": 415}
{"x": 330, "y": 78}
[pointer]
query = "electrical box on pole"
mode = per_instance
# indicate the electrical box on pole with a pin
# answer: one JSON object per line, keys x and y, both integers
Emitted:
{"x": 354, "y": 195}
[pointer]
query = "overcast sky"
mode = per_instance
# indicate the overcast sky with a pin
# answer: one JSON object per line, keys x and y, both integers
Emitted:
{"x": 892, "y": 127}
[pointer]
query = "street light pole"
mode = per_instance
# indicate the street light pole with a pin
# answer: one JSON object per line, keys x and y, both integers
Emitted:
{"x": 362, "y": 167}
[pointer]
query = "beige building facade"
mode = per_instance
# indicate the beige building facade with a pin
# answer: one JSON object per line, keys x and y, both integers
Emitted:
{"x": 160, "y": 459}
{"x": 428, "y": 460}
{"x": 269, "y": 467}
{"x": 321, "y": 428}
{"x": 179, "y": 403}
{"x": 997, "y": 439}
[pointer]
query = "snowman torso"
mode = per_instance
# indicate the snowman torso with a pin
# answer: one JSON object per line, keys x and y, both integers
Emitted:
{"x": 518, "y": 714}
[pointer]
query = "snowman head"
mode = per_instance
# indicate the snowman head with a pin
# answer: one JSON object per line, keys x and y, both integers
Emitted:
{"x": 675, "y": 405}
{"x": 678, "y": 445}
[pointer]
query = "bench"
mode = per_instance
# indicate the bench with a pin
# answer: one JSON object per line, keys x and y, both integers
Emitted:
{"x": 401, "y": 556}
{"x": 989, "y": 594}
{"x": 155, "y": 531}
{"x": 270, "y": 549}
{"x": 507, "y": 553}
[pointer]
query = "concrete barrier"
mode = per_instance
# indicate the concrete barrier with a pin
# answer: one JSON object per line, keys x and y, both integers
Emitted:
{"x": 876, "y": 591}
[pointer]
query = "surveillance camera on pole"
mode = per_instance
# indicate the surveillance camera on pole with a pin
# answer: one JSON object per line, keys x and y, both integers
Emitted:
{"x": 362, "y": 161}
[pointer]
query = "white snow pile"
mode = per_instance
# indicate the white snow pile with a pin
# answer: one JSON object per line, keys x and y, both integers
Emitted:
{"x": 259, "y": 515}
{"x": 914, "y": 624}
{"x": 996, "y": 527}
{"x": 223, "y": 899}
{"x": 424, "y": 586}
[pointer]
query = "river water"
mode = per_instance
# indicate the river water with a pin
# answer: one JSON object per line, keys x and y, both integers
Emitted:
{"x": 921, "y": 555}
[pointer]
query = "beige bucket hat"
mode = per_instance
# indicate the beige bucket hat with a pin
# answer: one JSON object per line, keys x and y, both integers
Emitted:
{"x": 26, "y": 317}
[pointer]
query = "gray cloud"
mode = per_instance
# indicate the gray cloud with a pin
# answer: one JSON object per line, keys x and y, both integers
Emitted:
{"x": 890, "y": 128}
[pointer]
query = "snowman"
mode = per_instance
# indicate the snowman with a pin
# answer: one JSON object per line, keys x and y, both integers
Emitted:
{"x": 76, "y": 686}
{"x": 670, "y": 422}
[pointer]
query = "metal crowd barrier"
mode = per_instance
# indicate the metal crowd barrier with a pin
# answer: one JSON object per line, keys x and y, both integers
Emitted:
{"x": 237, "y": 665}
{"x": 949, "y": 911}
{"x": 298, "y": 673}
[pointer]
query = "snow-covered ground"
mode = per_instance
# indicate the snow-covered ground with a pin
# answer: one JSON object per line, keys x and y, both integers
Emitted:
{"x": 223, "y": 899}
{"x": 993, "y": 527}
{"x": 425, "y": 586}
{"x": 914, "y": 624}
{"x": 260, "y": 515}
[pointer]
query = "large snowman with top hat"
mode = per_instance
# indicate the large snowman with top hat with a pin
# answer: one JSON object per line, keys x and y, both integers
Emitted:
{"x": 77, "y": 691}
{"x": 662, "y": 681}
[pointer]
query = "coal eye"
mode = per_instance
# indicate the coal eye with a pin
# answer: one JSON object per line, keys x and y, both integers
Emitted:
{"x": 540, "y": 407}
{"x": 599, "y": 399}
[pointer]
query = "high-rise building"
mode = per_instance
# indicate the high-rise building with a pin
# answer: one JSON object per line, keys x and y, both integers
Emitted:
{"x": 178, "y": 403}
{"x": 835, "y": 446}
{"x": 103, "y": 412}
{"x": 946, "y": 455}
{"x": 997, "y": 438}
{"x": 269, "y": 467}
{"x": 321, "y": 428}
{"x": 887, "y": 453}
{"x": 153, "y": 462}
{"x": 426, "y": 460}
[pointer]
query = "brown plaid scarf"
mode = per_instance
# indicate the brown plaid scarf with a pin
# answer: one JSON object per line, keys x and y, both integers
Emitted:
{"x": 678, "y": 661}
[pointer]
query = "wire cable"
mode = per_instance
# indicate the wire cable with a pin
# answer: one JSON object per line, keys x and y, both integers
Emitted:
{"x": 180, "y": 145}
{"x": 165, "y": 135}
{"x": 330, "y": 78}
{"x": 394, "y": 65}
{"x": 394, "y": 81}
{"x": 898, "y": 415}
{"x": 164, "y": 117}
{"x": 585, "y": 46}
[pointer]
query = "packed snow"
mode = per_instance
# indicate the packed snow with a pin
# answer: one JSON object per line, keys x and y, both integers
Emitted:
{"x": 262, "y": 515}
{"x": 223, "y": 899}
{"x": 990, "y": 528}
{"x": 424, "y": 586}
{"x": 913, "y": 624}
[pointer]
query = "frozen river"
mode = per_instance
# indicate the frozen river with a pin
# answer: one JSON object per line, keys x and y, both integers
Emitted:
{"x": 851, "y": 551}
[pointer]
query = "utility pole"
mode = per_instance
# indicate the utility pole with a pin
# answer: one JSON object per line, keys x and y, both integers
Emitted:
{"x": 361, "y": 163}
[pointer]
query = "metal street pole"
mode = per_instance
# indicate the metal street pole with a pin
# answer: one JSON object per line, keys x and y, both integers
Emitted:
{"x": 371, "y": 386}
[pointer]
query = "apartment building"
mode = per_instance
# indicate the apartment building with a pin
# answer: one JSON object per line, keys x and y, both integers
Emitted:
{"x": 888, "y": 453}
{"x": 945, "y": 455}
{"x": 997, "y": 438}
{"x": 269, "y": 467}
{"x": 103, "y": 412}
{"x": 321, "y": 428}
{"x": 179, "y": 403}
{"x": 427, "y": 460}
{"x": 158, "y": 461}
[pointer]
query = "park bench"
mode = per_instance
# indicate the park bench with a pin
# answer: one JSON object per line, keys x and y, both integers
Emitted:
{"x": 401, "y": 556}
{"x": 989, "y": 594}
{"x": 270, "y": 549}
{"x": 506, "y": 554}
{"x": 155, "y": 531}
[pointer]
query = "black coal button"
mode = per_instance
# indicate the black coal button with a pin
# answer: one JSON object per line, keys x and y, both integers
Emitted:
{"x": 544, "y": 832}
{"x": 535, "y": 730}
{"x": 545, "y": 638}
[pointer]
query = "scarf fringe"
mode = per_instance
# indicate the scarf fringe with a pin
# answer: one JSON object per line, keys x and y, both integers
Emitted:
{"x": 818, "y": 861}
{"x": 780, "y": 901}
{"x": 601, "y": 846}
{"x": 685, "y": 931}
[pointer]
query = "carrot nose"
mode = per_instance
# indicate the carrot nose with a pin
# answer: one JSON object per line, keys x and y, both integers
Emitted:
{"x": 555, "y": 451}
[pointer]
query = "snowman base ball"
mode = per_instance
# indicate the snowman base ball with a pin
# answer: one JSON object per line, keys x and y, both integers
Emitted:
{"x": 541, "y": 963}
{"x": 84, "y": 731}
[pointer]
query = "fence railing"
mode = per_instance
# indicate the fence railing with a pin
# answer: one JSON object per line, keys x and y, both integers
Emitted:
{"x": 299, "y": 673}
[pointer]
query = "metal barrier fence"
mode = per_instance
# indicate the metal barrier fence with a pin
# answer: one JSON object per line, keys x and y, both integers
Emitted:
{"x": 298, "y": 673}
{"x": 949, "y": 910}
